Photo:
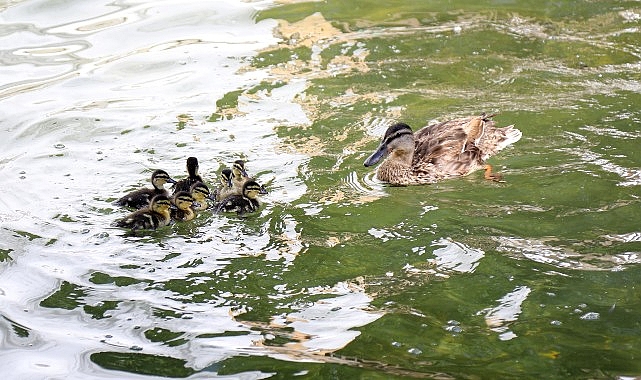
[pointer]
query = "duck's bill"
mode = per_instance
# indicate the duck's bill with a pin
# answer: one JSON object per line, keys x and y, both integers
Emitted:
{"x": 171, "y": 180}
{"x": 376, "y": 156}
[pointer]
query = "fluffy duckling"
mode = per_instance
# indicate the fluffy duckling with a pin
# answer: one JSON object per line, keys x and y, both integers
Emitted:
{"x": 226, "y": 187}
{"x": 192, "y": 177}
{"x": 183, "y": 211}
{"x": 154, "y": 216}
{"x": 241, "y": 204}
{"x": 200, "y": 192}
{"x": 239, "y": 176}
{"x": 140, "y": 198}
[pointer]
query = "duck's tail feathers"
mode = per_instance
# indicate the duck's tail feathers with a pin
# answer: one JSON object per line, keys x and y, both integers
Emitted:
{"x": 510, "y": 136}
{"x": 496, "y": 139}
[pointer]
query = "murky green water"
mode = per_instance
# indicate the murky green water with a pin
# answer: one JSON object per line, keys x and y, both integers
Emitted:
{"x": 338, "y": 276}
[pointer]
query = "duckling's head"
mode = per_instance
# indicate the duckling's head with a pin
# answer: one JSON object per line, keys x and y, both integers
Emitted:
{"x": 251, "y": 189}
{"x": 192, "y": 166}
{"x": 226, "y": 176}
{"x": 183, "y": 200}
{"x": 397, "y": 142}
{"x": 238, "y": 169}
{"x": 200, "y": 192}
{"x": 160, "y": 177}
{"x": 160, "y": 203}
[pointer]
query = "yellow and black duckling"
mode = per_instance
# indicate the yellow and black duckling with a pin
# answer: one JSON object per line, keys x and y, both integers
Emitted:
{"x": 226, "y": 187}
{"x": 241, "y": 204}
{"x": 239, "y": 176}
{"x": 154, "y": 216}
{"x": 192, "y": 176}
{"x": 183, "y": 210}
{"x": 140, "y": 198}
{"x": 438, "y": 151}
{"x": 200, "y": 192}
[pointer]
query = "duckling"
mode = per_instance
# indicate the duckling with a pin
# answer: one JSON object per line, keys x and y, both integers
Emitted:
{"x": 140, "y": 198}
{"x": 154, "y": 216}
{"x": 439, "y": 151}
{"x": 241, "y": 204}
{"x": 239, "y": 176}
{"x": 226, "y": 187}
{"x": 193, "y": 177}
{"x": 183, "y": 202}
{"x": 200, "y": 192}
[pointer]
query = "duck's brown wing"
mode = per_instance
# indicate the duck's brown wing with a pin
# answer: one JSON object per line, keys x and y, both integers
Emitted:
{"x": 440, "y": 140}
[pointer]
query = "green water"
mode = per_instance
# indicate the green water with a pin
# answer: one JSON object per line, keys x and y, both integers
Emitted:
{"x": 340, "y": 276}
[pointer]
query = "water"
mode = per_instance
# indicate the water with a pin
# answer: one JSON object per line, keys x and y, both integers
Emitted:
{"x": 337, "y": 276}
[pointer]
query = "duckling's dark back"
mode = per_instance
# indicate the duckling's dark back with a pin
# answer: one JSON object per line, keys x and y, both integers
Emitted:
{"x": 241, "y": 204}
{"x": 192, "y": 176}
{"x": 147, "y": 218}
{"x": 140, "y": 198}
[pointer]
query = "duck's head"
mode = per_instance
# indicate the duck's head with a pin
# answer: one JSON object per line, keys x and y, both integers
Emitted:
{"x": 159, "y": 178}
{"x": 192, "y": 166}
{"x": 226, "y": 176}
{"x": 200, "y": 192}
{"x": 238, "y": 169}
{"x": 183, "y": 200}
{"x": 160, "y": 203}
{"x": 397, "y": 142}
{"x": 252, "y": 189}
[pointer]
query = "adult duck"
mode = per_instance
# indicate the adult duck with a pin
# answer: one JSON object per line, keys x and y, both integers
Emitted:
{"x": 439, "y": 151}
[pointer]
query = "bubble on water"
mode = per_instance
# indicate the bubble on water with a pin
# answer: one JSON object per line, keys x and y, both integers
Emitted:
{"x": 135, "y": 348}
{"x": 591, "y": 316}
{"x": 508, "y": 335}
{"x": 454, "y": 329}
{"x": 397, "y": 344}
{"x": 414, "y": 351}
{"x": 556, "y": 323}
{"x": 59, "y": 146}
{"x": 453, "y": 326}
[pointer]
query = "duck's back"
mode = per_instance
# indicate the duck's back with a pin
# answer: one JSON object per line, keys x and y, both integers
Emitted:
{"x": 186, "y": 183}
{"x": 450, "y": 149}
{"x": 439, "y": 139}
{"x": 139, "y": 199}
{"x": 238, "y": 204}
{"x": 143, "y": 220}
